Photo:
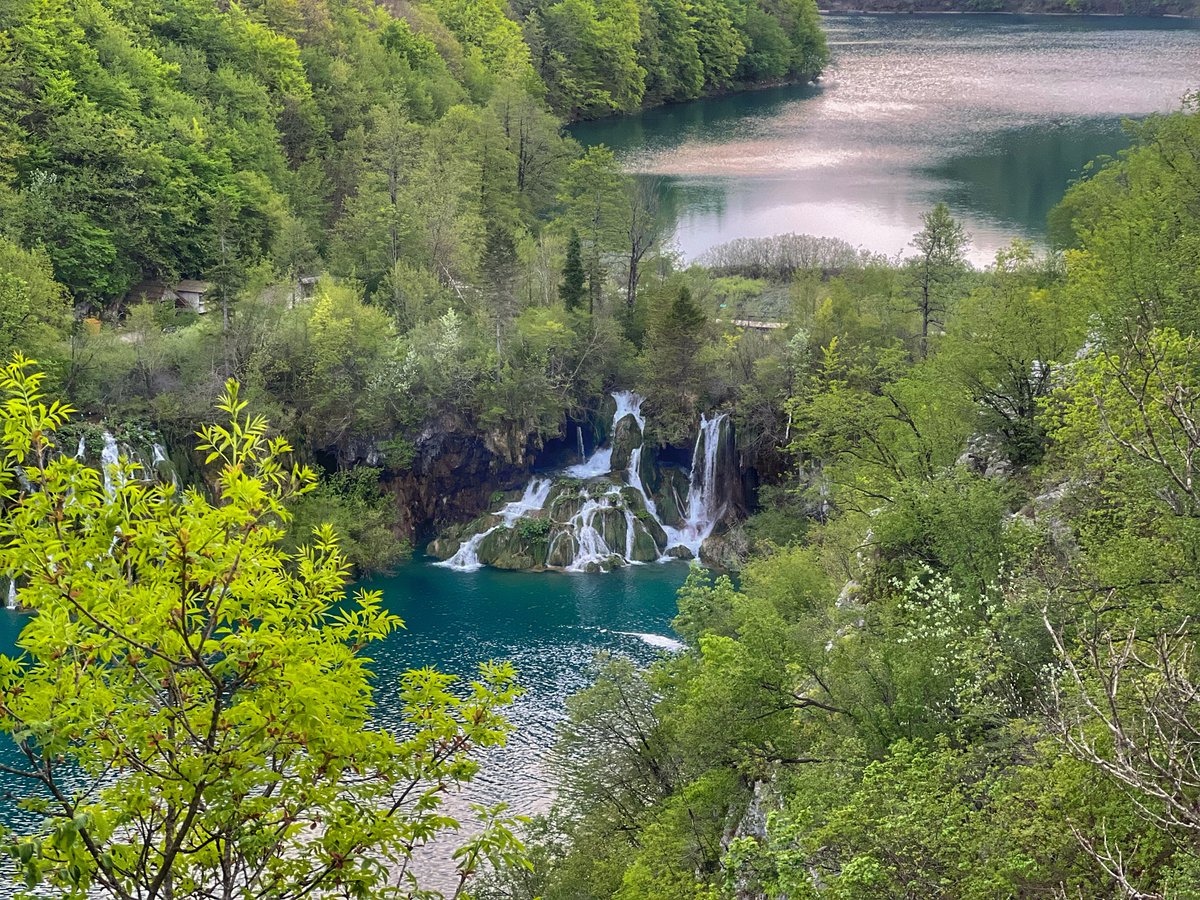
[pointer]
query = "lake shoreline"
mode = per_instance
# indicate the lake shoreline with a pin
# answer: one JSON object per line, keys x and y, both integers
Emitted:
{"x": 916, "y": 109}
{"x": 934, "y": 8}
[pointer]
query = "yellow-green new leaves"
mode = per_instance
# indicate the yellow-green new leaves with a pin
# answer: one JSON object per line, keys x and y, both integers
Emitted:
{"x": 192, "y": 705}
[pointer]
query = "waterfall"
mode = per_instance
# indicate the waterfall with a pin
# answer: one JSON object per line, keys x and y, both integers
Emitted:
{"x": 160, "y": 463}
{"x": 704, "y": 507}
{"x": 629, "y": 404}
{"x": 12, "y": 593}
{"x": 591, "y": 548}
{"x": 533, "y": 499}
{"x": 602, "y": 500}
{"x": 109, "y": 458}
{"x": 579, "y": 442}
{"x": 635, "y": 482}
{"x": 599, "y": 463}
{"x": 81, "y": 450}
{"x": 703, "y": 500}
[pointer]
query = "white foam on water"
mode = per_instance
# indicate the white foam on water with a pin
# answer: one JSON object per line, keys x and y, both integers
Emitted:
{"x": 660, "y": 641}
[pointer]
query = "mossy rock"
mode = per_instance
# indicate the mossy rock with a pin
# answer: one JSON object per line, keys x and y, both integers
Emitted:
{"x": 442, "y": 547}
{"x": 626, "y": 438}
{"x": 562, "y": 549}
{"x": 645, "y": 547}
{"x": 446, "y": 544}
{"x": 605, "y": 565}
{"x": 608, "y": 409}
{"x": 678, "y": 552}
{"x": 613, "y": 527}
{"x": 564, "y": 507}
{"x": 728, "y": 551}
{"x": 506, "y": 548}
{"x": 670, "y": 497}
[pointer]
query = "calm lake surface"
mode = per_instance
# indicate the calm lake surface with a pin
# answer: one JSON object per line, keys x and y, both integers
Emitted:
{"x": 995, "y": 115}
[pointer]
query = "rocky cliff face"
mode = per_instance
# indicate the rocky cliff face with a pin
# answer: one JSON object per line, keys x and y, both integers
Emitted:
{"x": 455, "y": 474}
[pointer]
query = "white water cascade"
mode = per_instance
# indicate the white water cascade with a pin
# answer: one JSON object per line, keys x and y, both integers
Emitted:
{"x": 579, "y": 442}
{"x": 81, "y": 450}
{"x": 534, "y": 498}
{"x": 703, "y": 507}
{"x": 599, "y": 463}
{"x": 591, "y": 548}
{"x": 11, "y": 602}
{"x": 110, "y": 457}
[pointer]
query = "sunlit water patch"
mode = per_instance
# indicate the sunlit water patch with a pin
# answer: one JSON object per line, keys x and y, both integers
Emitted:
{"x": 995, "y": 115}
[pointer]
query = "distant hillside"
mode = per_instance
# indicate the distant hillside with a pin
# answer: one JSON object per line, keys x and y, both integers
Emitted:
{"x": 1189, "y": 8}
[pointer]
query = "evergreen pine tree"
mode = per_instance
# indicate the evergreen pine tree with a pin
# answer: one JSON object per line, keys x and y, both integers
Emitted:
{"x": 573, "y": 286}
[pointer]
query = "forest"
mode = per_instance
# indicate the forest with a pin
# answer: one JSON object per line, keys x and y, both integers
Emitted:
{"x": 950, "y": 652}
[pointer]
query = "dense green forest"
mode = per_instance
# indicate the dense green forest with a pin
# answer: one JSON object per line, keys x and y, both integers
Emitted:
{"x": 957, "y": 656}
{"x": 414, "y": 157}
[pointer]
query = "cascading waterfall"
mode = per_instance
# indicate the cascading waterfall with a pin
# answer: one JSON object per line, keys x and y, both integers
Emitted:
{"x": 591, "y": 548}
{"x": 704, "y": 507}
{"x": 109, "y": 457}
{"x": 81, "y": 450}
{"x": 160, "y": 462}
{"x": 11, "y": 602}
{"x": 599, "y": 463}
{"x": 602, "y": 501}
{"x": 579, "y": 442}
{"x": 534, "y": 498}
{"x": 629, "y": 404}
{"x": 592, "y": 551}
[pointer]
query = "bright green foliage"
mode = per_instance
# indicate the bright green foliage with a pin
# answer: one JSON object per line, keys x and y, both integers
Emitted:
{"x": 1136, "y": 229}
{"x": 935, "y": 271}
{"x": 1005, "y": 342}
{"x": 359, "y": 513}
{"x": 586, "y": 52}
{"x": 592, "y": 195}
{"x": 33, "y": 306}
{"x": 487, "y": 33}
{"x": 193, "y": 704}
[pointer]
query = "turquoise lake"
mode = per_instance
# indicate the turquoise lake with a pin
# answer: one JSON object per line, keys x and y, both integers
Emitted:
{"x": 550, "y": 626}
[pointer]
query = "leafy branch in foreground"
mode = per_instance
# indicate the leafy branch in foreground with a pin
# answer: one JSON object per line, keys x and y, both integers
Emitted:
{"x": 192, "y": 706}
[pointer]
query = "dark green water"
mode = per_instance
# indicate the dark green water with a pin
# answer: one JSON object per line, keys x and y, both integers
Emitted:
{"x": 995, "y": 115}
{"x": 549, "y": 625}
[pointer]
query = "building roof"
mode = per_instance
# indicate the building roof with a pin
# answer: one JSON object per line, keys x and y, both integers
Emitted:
{"x": 150, "y": 290}
{"x": 192, "y": 287}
